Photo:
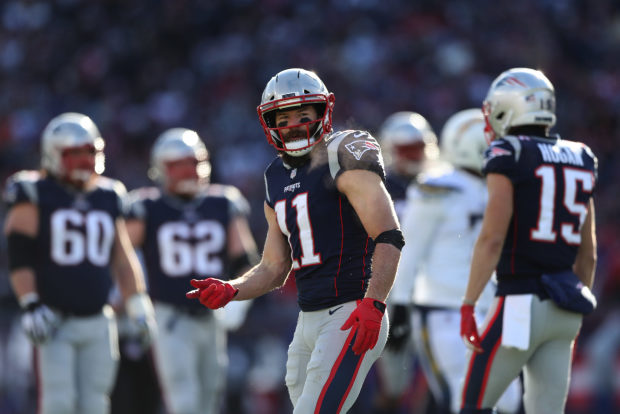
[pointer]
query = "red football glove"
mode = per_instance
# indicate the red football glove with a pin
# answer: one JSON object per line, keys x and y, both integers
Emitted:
{"x": 366, "y": 321}
{"x": 469, "y": 330}
{"x": 212, "y": 293}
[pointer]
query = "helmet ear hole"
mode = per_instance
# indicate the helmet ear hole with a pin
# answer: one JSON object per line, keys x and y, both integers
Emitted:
{"x": 500, "y": 116}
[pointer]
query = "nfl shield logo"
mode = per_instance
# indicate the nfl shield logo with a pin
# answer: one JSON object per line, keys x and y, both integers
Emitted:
{"x": 293, "y": 173}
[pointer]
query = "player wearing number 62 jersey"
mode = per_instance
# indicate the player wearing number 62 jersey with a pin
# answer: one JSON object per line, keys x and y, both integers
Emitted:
{"x": 331, "y": 219}
{"x": 185, "y": 227}
{"x": 67, "y": 237}
{"x": 538, "y": 233}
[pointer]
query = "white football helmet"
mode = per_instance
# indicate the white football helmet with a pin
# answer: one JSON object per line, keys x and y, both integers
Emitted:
{"x": 70, "y": 130}
{"x": 176, "y": 144}
{"x": 292, "y": 88}
{"x": 462, "y": 139}
{"x": 518, "y": 96}
{"x": 408, "y": 140}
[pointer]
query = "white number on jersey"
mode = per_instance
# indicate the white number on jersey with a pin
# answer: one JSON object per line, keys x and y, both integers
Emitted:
{"x": 77, "y": 236}
{"x": 306, "y": 238}
{"x": 544, "y": 230}
{"x": 179, "y": 256}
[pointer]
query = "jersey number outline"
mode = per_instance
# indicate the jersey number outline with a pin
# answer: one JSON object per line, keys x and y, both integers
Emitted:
{"x": 178, "y": 256}
{"x": 544, "y": 231}
{"x": 77, "y": 236}
{"x": 306, "y": 237}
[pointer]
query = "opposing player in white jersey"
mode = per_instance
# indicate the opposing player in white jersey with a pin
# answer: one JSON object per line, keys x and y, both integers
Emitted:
{"x": 189, "y": 226}
{"x": 408, "y": 143}
{"x": 441, "y": 224}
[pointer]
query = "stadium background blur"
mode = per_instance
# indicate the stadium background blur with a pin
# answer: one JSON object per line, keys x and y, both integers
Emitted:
{"x": 138, "y": 67}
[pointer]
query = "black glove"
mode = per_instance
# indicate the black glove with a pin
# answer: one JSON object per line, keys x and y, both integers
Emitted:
{"x": 400, "y": 327}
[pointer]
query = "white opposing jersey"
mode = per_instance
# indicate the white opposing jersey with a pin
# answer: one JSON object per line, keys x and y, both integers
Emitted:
{"x": 441, "y": 224}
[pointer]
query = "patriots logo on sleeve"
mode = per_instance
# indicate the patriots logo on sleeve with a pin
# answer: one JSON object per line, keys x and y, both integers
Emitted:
{"x": 497, "y": 152}
{"x": 359, "y": 147}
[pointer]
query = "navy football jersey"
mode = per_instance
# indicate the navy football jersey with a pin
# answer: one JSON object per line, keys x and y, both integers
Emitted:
{"x": 330, "y": 249}
{"x": 75, "y": 239}
{"x": 185, "y": 239}
{"x": 553, "y": 181}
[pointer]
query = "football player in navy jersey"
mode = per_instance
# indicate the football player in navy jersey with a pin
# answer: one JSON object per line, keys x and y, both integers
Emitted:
{"x": 408, "y": 143}
{"x": 66, "y": 238}
{"x": 331, "y": 220}
{"x": 538, "y": 233}
{"x": 185, "y": 227}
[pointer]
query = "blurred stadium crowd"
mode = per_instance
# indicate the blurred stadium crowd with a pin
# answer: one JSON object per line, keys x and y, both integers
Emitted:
{"x": 138, "y": 67}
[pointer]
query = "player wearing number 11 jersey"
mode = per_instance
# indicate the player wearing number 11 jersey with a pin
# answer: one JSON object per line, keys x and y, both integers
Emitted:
{"x": 538, "y": 233}
{"x": 188, "y": 226}
{"x": 331, "y": 219}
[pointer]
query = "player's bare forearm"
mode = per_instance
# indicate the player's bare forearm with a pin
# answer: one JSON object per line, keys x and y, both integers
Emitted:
{"x": 23, "y": 281}
{"x": 384, "y": 265}
{"x": 488, "y": 248}
{"x": 125, "y": 263}
{"x": 585, "y": 262}
{"x": 274, "y": 267}
{"x": 485, "y": 257}
{"x": 259, "y": 280}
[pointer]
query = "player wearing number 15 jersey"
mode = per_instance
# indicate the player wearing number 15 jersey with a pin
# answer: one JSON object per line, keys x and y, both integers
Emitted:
{"x": 331, "y": 219}
{"x": 67, "y": 237}
{"x": 538, "y": 233}
{"x": 185, "y": 227}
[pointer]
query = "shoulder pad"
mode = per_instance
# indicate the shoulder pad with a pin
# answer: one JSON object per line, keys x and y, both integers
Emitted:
{"x": 442, "y": 180}
{"x": 21, "y": 187}
{"x": 111, "y": 184}
{"x": 352, "y": 149}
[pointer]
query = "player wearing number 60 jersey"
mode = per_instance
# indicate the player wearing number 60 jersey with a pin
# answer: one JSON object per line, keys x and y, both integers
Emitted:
{"x": 67, "y": 237}
{"x": 185, "y": 227}
{"x": 331, "y": 219}
{"x": 538, "y": 233}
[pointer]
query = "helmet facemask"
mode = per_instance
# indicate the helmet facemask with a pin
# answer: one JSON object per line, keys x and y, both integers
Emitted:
{"x": 292, "y": 89}
{"x": 68, "y": 143}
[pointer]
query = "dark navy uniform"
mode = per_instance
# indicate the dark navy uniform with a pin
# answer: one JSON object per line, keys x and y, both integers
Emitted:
{"x": 74, "y": 247}
{"x": 320, "y": 223}
{"x": 184, "y": 239}
{"x": 553, "y": 182}
{"x": 75, "y": 239}
{"x": 331, "y": 254}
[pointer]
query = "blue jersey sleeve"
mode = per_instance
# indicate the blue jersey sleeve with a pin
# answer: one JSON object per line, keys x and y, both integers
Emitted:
{"x": 501, "y": 158}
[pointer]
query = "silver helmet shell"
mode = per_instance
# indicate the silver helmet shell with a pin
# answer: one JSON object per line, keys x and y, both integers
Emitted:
{"x": 406, "y": 129}
{"x": 70, "y": 130}
{"x": 462, "y": 139}
{"x": 176, "y": 144}
{"x": 518, "y": 96}
{"x": 292, "y": 88}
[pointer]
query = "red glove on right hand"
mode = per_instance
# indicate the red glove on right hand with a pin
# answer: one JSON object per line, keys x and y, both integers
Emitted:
{"x": 366, "y": 322}
{"x": 212, "y": 293}
{"x": 469, "y": 330}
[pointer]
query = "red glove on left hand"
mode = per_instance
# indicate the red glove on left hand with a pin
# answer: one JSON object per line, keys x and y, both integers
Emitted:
{"x": 469, "y": 329}
{"x": 212, "y": 293}
{"x": 366, "y": 321}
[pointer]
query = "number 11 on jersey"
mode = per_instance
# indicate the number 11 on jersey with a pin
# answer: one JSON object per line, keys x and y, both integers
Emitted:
{"x": 306, "y": 238}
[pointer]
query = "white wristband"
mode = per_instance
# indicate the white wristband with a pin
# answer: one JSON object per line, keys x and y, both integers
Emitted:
{"x": 28, "y": 299}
